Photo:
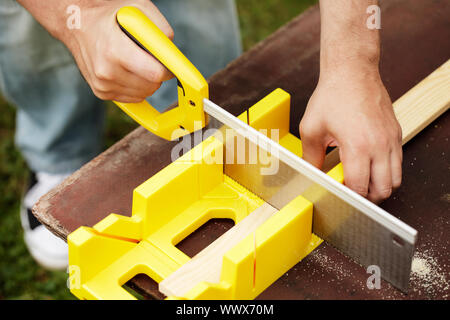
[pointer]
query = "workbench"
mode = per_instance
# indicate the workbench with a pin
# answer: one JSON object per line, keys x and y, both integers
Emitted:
{"x": 415, "y": 42}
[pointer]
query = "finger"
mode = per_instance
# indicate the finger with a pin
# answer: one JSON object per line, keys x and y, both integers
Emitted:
{"x": 313, "y": 147}
{"x": 127, "y": 99}
{"x": 380, "y": 187}
{"x": 356, "y": 170}
{"x": 135, "y": 93}
{"x": 110, "y": 76}
{"x": 113, "y": 91}
{"x": 396, "y": 167}
{"x": 144, "y": 65}
{"x": 141, "y": 85}
{"x": 139, "y": 62}
{"x": 313, "y": 152}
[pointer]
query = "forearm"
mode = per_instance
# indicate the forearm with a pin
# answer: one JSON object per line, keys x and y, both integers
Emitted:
{"x": 346, "y": 40}
{"x": 52, "y": 14}
{"x": 350, "y": 107}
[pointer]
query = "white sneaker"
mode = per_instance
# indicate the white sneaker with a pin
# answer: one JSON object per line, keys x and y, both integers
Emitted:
{"x": 47, "y": 249}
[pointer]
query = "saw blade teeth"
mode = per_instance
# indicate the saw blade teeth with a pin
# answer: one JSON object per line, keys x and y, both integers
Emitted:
{"x": 244, "y": 189}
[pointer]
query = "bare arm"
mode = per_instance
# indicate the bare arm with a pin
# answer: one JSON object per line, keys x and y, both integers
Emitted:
{"x": 350, "y": 107}
{"x": 114, "y": 66}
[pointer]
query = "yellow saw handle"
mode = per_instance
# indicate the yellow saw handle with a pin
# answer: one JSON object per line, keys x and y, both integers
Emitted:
{"x": 192, "y": 87}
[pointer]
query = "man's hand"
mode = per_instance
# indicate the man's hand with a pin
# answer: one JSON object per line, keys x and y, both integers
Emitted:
{"x": 113, "y": 65}
{"x": 350, "y": 107}
{"x": 352, "y": 110}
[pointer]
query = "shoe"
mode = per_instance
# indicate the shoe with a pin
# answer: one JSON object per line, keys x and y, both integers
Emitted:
{"x": 47, "y": 249}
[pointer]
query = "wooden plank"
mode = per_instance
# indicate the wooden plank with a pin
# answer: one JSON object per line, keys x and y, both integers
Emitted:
{"x": 416, "y": 109}
{"x": 207, "y": 264}
{"x": 424, "y": 103}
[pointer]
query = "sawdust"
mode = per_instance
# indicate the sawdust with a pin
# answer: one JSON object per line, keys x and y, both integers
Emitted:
{"x": 427, "y": 276}
{"x": 445, "y": 197}
{"x": 330, "y": 266}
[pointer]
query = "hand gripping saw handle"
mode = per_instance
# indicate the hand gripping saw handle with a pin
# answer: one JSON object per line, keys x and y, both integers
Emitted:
{"x": 192, "y": 87}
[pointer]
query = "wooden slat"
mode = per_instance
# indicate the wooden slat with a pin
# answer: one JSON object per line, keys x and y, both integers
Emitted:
{"x": 207, "y": 264}
{"x": 424, "y": 103}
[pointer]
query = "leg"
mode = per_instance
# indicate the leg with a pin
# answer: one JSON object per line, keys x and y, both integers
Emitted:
{"x": 59, "y": 120}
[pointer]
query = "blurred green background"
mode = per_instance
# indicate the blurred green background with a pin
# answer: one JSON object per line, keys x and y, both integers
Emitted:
{"x": 20, "y": 277}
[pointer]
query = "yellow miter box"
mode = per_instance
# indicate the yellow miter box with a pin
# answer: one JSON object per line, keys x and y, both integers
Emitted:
{"x": 179, "y": 199}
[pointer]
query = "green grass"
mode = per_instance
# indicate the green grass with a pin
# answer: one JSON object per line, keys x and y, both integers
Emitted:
{"x": 20, "y": 277}
{"x": 259, "y": 18}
